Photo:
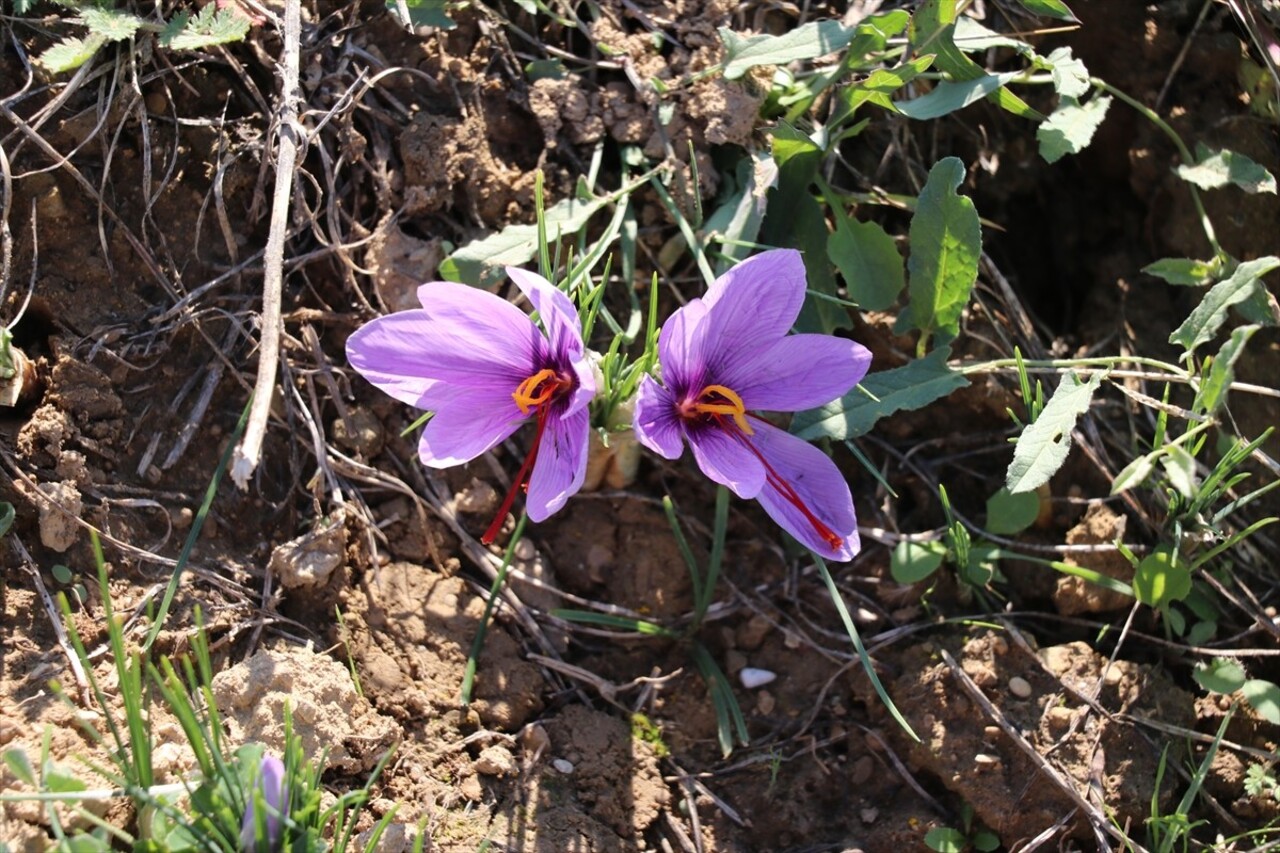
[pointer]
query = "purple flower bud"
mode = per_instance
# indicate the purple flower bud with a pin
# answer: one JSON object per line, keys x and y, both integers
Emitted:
{"x": 275, "y": 801}
{"x": 727, "y": 355}
{"x": 485, "y": 369}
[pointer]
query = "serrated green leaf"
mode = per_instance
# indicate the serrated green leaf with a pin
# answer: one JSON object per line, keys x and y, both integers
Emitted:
{"x": 1183, "y": 271}
{"x": 1043, "y": 446}
{"x": 906, "y": 388}
{"x": 1212, "y": 392}
{"x": 111, "y": 24}
{"x": 421, "y": 13}
{"x": 809, "y": 41}
{"x": 1050, "y": 9}
{"x": 70, "y": 53}
{"x": 209, "y": 27}
{"x": 1008, "y": 513}
{"x": 952, "y": 95}
{"x": 1228, "y": 167}
{"x": 1263, "y": 697}
{"x": 911, "y": 562}
{"x": 868, "y": 258}
{"x": 481, "y": 262}
{"x": 1070, "y": 76}
{"x": 946, "y": 242}
{"x": 1208, "y": 316}
{"x": 1220, "y": 676}
{"x": 1071, "y": 127}
{"x": 1161, "y": 578}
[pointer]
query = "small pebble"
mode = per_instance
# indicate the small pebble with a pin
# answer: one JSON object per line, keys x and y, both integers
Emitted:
{"x": 983, "y": 760}
{"x": 991, "y": 732}
{"x": 869, "y": 815}
{"x": 562, "y": 766}
{"x": 999, "y": 645}
{"x": 1112, "y": 676}
{"x": 765, "y": 703}
{"x": 862, "y": 770}
{"x": 525, "y": 550}
{"x": 1020, "y": 687}
{"x": 752, "y": 678}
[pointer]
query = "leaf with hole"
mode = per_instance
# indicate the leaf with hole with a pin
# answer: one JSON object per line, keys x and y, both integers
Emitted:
{"x": 1043, "y": 446}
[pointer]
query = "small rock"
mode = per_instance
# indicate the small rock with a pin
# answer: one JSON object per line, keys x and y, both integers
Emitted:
{"x": 734, "y": 661}
{"x": 751, "y": 634}
{"x": 1020, "y": 687}
{"x": 58, "y": 528}
{"x": 751, "y": 677}
{"x": 496, "y": 760}
{"x": 478, "y": 497}
{"x": 862, "y": 770}
{"x": 362, "y": 432}
{"x": 765, "y": 703}
{"x": 470, "y": 788}
{"x": 308, "y": 561}
{"x": 869, "y": 815}
{"x": 984, "y": 761}
{"x": 562, "y": 766}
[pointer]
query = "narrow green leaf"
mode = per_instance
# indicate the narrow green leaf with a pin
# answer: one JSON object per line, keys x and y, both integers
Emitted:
{"x": 608, "y": 620}
{"x": 481, "y": 261}
{"x": 1208, "y": 316}
{"x": 1213, "y": 387}
{"x": 868, "y": 259}
{"x": 972, "y": 37}
{"x": 1071, "y": 127}
{"x": 1070, "y": 77}
{"x": 946, "y": 242}
{"x": 1050, "y": 9}
{"x": 7, "y": 515}
{"x": 1263, "y": 697}
{"x": 1224, "y": 167}
{"x": 1220, "y": 676}
{"x": 952, "y": 95}
{"x": 809, "y": 41}
{"x": 1183, "y": 271}
{"x": 1180, "y": 470}
{"x": 1008, "y": 513}
{"x": 737, "y": 221}
{"x": 906, "y": 388}
{"x": 1134, "y": 473}
{"x": 1043, "y": 446}
{"x": 911, "y": 562}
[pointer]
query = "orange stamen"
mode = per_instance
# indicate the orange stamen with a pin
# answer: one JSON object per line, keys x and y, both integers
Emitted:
{"x": 534, "y": 393}
{"x": 726, "y": 408}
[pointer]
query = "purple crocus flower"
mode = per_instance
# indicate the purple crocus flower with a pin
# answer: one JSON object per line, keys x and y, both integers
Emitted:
{"x": 271, "y": 783}
{"x": 485, "y": 368}
{"x": 728, "y": 354}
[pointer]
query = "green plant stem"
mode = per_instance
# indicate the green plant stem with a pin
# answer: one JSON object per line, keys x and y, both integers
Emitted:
{"x": 1183, "y": 152}
{"x": 477, "y": 644}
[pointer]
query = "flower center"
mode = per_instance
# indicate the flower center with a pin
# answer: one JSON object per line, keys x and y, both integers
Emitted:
{"x": 535, "y": 394}
{"x": 724, "y": 407}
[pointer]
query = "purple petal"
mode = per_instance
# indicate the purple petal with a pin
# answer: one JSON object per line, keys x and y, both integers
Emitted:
{"x": 725, "y": 458}
{"x": 798, "y": 372}
{"x": 468, "y": 426}
{"x": 462, "y": 336}
{"x": 655, "y": 421}
{"x": 750, "y": 306}
{"x": 819, "y": 485}
{"x": 561, "y": 465}
{"x": 680, "y": 347}
{"x": 559, "y": 316}
{"x": 271, "y": 773}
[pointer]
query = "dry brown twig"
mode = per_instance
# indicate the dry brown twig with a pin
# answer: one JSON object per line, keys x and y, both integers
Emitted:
{"x": 249, "y": 452}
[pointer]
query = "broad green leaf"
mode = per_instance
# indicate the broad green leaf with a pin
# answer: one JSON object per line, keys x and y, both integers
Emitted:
{"x": 1180, "y": 470}
{"x": 1220, "y": 676}
{"x": 421, "y": 13}
{"x": 944, "y": 839}
{"x": 71, "y": 53}
{"x": 879, "y": 87}
{"x": 1050, "y": 9}
{"x": 1183, "y": 271}
{"x": 973, "y": 37}
{"x": 21, "y": 7}
{"x": 1134, "y": 473}
{"x": 1070, "y": 77}
{"x": 1008, "y": 513}
{"x": 933, "y": 31}
{"x": 737, "y": 221}
{"x": 1071, "y": 127}
{"x": 110, "y": 24}
{"x": 946, "y": 241}
{"x": 868, "y": 258}
{"x": 809, "y": 41}
{"x": 1208, "y": 316}
{"x": 59, "y": 780}
{"x": 911, "y": 386}
{"x": 1043, "y": 445}
{"x": 808, "y": 233}
{"x": 911, "y": 562}
{"x": 1161, "y": 578}
{"x": 1212, "y": 392}
{"x": 1263, "y": 697}
{"x": 481, "y": 262}
{"x": 950, "y": 95}
{"x": 1228, "y": 167}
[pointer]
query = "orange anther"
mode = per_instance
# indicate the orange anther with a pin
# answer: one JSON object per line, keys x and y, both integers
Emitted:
{"x": 536, "y": 390}
{"x": 719, "y": 400}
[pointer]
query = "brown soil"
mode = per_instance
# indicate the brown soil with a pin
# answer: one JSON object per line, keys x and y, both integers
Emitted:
{"x": 143, "y": 328}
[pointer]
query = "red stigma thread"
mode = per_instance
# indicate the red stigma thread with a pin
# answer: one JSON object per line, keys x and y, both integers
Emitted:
{"x": 535, "y": 393}
{"x": 716, "y": 402}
